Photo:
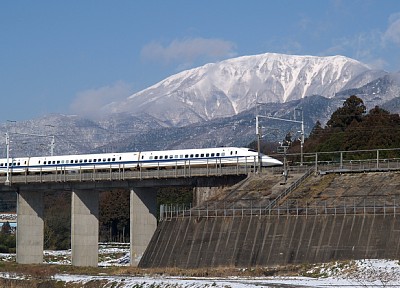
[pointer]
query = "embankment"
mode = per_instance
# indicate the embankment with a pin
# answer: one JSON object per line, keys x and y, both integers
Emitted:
{"x": 269, "y": 240}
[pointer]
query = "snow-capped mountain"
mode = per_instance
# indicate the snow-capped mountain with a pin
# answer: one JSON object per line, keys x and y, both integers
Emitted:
{"x": 232, "y": 86}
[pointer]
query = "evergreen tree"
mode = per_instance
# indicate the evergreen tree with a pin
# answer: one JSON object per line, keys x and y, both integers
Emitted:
{"x": 349, "y": 128}
{"x": 353, "y": 109}
{"x": 317, "y": 130}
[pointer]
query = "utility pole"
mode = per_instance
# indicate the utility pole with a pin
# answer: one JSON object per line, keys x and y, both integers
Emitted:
{"x": 8, "y": 159}
{"x": 52, "y": 145}
{"x": 258, "y": 134}
{"x": 302, "y": 132}
{"x": 7, "y": 182}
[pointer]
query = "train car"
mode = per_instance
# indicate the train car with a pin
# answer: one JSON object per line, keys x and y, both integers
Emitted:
{"x": 137, "y": 160}
{"x": 203, "y": 157}
{"x": 16, "y": 165}
{"x": 84, "y": 162}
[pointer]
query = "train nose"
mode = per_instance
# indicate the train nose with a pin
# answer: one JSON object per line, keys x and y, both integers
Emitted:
{"x": 269, "y": 161}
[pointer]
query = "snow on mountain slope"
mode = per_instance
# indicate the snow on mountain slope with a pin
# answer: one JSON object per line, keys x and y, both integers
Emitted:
{"x": 229, "y": 87}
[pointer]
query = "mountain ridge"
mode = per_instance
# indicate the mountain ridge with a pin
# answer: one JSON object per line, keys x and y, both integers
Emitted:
{"x": 232, "y": 86}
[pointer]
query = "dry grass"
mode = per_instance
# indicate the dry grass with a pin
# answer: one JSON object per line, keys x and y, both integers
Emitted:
{"x": 46, "y": 271}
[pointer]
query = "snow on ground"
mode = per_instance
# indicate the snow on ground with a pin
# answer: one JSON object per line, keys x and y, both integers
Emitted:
{"x": 359, "y": 273}
{"x": 245, "y": 282}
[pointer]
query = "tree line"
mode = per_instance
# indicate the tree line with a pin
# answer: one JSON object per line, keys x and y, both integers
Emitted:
{"x": 351, "y": 127}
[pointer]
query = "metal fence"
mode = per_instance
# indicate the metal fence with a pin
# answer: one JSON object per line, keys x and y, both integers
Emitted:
{"x": 168, "y": 212}
{"x": 351, "y": 161}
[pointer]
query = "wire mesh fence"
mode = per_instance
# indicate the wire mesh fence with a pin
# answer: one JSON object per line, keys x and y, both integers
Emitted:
{"x": 168, "y": 212}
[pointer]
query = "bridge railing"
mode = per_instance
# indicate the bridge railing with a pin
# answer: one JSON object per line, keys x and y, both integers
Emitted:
{"x": 212, "y": 168}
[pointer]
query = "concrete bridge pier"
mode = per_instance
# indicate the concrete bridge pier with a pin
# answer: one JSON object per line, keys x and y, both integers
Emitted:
{"x": 30, "y": 227}
{"x": 85, "y": 227}
{"x": 143, "y": 220}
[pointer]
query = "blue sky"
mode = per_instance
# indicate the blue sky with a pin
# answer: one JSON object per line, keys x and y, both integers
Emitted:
{"x": 72, "y": 57}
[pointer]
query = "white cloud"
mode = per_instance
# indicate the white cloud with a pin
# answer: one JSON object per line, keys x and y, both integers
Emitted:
{"x": 392, "y": 34}
{"x": 186, "y": 51}
{"x": 88, "y": 103}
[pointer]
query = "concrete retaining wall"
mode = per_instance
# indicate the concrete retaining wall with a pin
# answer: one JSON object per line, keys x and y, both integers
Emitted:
{"x": 269, "y": 240}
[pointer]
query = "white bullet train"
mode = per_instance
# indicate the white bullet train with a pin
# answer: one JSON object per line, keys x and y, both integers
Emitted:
{"x": 136, "y": 160}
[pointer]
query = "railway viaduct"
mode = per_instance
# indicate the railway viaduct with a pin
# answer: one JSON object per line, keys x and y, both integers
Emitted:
{"x": 85, "y": 188}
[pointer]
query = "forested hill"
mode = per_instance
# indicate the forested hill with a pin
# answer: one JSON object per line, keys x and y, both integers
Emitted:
{"x": 351, "y": 127}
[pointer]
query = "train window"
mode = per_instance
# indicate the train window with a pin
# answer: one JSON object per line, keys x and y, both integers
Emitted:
{"x": 171, "y": 156}
{"x": 58, "y": 161}
{"x": 217, "y": 154}
{"x": 44, "y": 162}
{"x": 76, "y": 161}
{"x": 191, "y": 155}
{"x": 156, "y": 157}
{"x": 181, "y": 156}
{"x": 212, "y": 154}
{"x": 19, "y": 164}
{"x": 85, "y": 161}
{"x": 231, "y": 152}
{"x": 223, "y": 154}
{"x": 197, "y": 155}
{"x": 104, "y": 159}
{"x": 90, "y": 161}
{"x": 207, "y": 154}
{"x": 120, "y": 158}
{"x": 113, "y": 159}
{"x": 80, "y": 160}
{"x": 151, "y": 157}
{"x": 166, "y": 157}
{"x": 62, "y": 161}
{"x": 235, "y": 152}
{"x": 201, "y": 155}
{"x": 176, "y": 156}
{"x": 186, "y": 156}
{"x": 54, "y": 162}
